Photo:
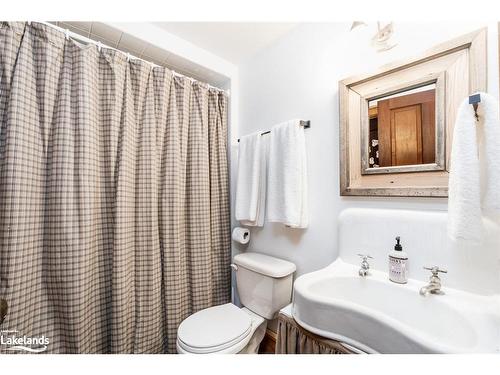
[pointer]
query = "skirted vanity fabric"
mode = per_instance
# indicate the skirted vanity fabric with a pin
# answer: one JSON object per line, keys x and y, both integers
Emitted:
{"x": 114, "y": 205}
{"x": 293, "y": 339}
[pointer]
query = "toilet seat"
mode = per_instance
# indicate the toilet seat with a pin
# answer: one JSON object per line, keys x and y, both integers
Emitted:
{"x": 218, "y": 329}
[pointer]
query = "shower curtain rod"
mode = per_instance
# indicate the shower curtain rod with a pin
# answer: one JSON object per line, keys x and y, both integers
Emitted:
{"x": 304, "y": 123}
{"x": 100, "y": 45}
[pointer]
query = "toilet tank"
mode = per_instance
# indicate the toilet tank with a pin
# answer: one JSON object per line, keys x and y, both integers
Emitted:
{"x": 264, "y": 283}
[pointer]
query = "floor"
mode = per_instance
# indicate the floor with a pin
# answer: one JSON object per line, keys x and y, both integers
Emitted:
{"x": 268, "y": 344}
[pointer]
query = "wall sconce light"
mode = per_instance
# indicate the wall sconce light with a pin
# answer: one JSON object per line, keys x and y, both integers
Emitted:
{"x": 357, "y": 24}
{"x": 381, "y": 41}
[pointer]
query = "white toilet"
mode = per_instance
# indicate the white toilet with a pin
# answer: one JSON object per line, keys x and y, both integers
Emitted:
{"x": 264, "y": 285}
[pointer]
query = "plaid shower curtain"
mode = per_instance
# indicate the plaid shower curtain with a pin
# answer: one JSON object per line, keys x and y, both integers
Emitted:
{"x": 114, "y": 202}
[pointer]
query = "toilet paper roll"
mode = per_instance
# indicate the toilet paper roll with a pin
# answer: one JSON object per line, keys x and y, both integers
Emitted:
{"x": 241, "y": 235}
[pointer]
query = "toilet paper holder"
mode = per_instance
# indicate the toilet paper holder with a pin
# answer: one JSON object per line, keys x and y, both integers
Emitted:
{"x": 241, "y": 235}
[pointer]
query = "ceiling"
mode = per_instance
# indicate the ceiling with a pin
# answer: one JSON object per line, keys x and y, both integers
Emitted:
{"x": 233, "y": 41}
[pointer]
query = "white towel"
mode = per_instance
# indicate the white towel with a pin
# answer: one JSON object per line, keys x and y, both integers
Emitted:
{"x": 251, "y": 181}
{"x": 474, "y": 185}
{"x": 287, "y": 187}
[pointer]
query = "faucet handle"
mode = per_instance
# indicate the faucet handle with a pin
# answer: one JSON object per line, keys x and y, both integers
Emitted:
{"x": 365, "y": 256}
{"x": 435, "y": 270}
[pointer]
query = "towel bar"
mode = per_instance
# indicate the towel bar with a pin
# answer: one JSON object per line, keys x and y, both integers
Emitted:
{"x": 305, "y": 123}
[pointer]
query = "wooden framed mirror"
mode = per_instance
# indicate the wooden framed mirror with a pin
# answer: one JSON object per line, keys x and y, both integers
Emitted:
{"x": 396, "y": 124}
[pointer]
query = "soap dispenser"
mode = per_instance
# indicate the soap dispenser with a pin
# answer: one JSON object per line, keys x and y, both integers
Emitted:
{"x": 398, "y": 264}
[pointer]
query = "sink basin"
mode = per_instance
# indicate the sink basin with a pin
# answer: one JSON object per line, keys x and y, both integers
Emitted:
{"x": 376, "y": 315}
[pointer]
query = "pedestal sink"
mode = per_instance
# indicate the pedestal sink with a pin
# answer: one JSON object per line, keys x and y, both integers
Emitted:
{"x": 377, "y": 316}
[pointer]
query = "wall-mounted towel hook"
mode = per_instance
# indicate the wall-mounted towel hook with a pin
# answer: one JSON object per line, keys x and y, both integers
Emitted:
{"x": 475, "y": 100}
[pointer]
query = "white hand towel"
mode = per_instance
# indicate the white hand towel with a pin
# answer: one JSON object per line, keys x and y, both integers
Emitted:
{"x": 251, "y": 180}
{"x": 474, "y": 184}
{"x": 287, "y": 187}
{"x": 489, "y": 154}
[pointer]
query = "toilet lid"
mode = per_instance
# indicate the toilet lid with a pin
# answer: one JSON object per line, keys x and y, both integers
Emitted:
{"x": 214, "y": 328}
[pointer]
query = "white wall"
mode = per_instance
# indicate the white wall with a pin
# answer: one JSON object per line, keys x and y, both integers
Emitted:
{"x": 297, "y": 77}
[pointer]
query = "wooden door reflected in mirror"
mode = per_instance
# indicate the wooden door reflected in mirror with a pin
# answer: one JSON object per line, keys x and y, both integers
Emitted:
{"x": 402, "y": 128}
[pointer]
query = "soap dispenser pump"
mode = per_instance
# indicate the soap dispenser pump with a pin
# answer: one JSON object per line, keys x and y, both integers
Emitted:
{"x": 398, "y": 264}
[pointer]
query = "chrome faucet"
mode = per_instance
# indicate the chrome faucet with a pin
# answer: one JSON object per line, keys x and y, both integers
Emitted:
{"x": 434, "y": 286}
{"x": 365, "y": 266}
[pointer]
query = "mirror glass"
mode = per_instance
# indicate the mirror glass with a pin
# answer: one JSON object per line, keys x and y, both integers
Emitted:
{"x": 402, "y": 128}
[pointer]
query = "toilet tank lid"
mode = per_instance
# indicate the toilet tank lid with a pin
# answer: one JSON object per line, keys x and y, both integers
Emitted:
{"x": 265, "y": 264}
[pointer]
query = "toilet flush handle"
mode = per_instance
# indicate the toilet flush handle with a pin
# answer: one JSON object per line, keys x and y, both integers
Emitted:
{"x": 234, "y": 267}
